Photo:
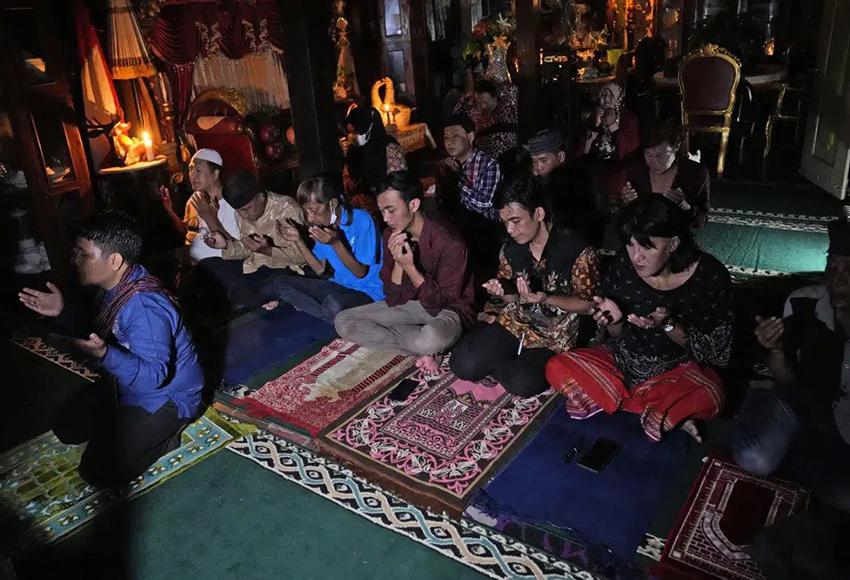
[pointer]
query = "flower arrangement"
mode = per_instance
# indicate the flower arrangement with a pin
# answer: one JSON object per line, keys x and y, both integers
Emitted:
{"x": 487, "y": 31}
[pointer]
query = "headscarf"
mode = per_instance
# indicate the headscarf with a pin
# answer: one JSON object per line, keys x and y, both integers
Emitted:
{"x": 367, "y": 163}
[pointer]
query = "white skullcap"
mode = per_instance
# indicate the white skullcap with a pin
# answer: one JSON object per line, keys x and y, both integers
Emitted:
{"x": 210, "y": 155}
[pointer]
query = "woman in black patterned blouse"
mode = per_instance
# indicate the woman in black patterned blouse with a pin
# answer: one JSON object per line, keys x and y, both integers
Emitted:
{"x": 666, "y": 307}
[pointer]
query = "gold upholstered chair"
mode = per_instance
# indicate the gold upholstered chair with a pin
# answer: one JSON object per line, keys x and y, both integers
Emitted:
{"x": 708, "y": 81}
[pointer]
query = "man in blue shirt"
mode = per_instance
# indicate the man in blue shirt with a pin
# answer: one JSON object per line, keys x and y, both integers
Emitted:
{"x": 346, "y": 253}
{"x": 139, "y": 340}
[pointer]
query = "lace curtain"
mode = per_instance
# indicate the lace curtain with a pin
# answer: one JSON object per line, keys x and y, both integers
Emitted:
{"x": 258, "y": 76}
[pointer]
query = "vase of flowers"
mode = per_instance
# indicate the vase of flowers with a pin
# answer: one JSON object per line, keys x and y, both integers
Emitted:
{"x": 488, "y": 47}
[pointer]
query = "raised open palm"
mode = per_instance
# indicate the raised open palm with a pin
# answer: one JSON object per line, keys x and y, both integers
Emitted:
{"x": 48, "y": 303}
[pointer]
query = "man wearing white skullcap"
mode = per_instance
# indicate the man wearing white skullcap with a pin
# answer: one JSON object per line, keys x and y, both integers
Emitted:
{"x": 206, "y": 210}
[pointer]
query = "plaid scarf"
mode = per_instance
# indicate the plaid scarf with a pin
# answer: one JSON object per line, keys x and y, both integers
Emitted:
{"x": 121, "y": 294}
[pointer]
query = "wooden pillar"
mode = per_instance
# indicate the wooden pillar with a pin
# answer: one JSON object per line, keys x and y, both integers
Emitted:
{"x": 308, "y": 58}
{"x": 527, "y": 56}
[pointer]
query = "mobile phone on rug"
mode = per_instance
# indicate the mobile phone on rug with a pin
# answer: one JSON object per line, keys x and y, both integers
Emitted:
{"x": 403, "y": 390}
{"x": 599, "y": 455}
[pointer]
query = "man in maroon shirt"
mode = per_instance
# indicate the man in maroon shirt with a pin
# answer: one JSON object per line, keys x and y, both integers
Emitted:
{"x": 427, "y": 286}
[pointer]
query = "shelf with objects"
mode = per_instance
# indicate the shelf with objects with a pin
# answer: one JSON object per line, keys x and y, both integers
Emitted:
{"x": 44, "y": 173}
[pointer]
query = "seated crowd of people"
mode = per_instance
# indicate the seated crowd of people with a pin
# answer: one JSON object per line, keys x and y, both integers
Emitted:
{"x": 504, "y": 275}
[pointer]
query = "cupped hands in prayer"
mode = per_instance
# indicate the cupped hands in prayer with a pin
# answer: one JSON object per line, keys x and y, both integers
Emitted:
{"x": 288, "y": 231}
{"x": 257, "y": 243}
{"x": 494, "y": 287}
{"x": 324, "y": 234}
{"x": 525, "y": 292}
{"x": 400, "y": 249}
{"x": 207, "y": 209}
{"x": 769, "y": 332}
{"x": 94, "y": 346}
{"x": 628, "y": 194}
{"x": 48, "y": 303}
{"x": 656, "y": 319}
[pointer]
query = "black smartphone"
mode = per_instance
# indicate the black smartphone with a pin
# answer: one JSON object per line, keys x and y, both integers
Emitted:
{"x": 599, "y": 455}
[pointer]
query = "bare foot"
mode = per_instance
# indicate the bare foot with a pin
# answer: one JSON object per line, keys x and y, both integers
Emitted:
{"x": 271, "y": 305}
{"x": 429, "y": 365}
{"x": 690, "y": 428}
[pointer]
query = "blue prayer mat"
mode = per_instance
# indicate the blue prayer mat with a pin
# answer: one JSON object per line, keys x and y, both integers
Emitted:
{"x": 261, "y": 341}
{"x": 613, "y": 508}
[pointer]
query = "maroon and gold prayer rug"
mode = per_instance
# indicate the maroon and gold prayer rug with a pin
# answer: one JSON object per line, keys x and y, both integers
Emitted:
{"x": 324, "y": 387}
{"x": 726, "y": 509}
{"x": 435, "y": 447}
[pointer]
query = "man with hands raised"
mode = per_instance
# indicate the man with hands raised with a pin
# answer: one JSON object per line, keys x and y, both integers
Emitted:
{"x": 427, "y": 287}
{"x": 802, "y": 423}
{"x": 666, "y": 310}
{"x": 249, "y": 264}
{"x": 140, "y": 340}
{"x": 546, "y": 279}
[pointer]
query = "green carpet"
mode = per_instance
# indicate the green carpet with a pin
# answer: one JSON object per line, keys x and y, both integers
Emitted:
{"x": 800, "y": 199}
{"x": 230, "y": 518}
{"x": 764, "y": 249}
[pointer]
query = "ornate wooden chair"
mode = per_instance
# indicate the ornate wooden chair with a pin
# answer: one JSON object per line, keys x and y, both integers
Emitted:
{"x": 708, "y": 80}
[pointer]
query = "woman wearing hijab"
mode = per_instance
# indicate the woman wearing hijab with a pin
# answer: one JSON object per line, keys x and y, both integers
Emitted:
{"x": 373, "y": 155}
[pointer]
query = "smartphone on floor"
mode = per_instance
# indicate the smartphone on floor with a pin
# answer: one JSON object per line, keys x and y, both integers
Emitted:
{"x": 599, "y": 455}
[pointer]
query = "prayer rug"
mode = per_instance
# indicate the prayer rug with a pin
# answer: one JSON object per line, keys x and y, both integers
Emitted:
{"x": 441, "y": 442}
{"x": 38, "y": 346}
{"x": 491, "y": 553}
{"x": 609, "y": 511}
{"x": 726, "y": 509}
{"x": 257, "y": 344}
{"x": 324, "y": 387}
{"x": 41, "y": 488}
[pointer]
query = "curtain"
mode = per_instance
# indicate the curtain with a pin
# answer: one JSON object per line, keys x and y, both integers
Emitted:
{"x": 258, "y": 76}
{"x": 185, "y": 31}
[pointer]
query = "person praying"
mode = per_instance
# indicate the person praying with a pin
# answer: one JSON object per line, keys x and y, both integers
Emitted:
{"x": 341, "y": 246}
{"x": 373, "y": 155}
{"x": 427, "y": 287}
{"x": 249, "y": 263}
{"x": 666, "y": 309}
{"x": 663, "y": 170}
{"x": 547, "y": 278}
{"x": 139, "y": 339}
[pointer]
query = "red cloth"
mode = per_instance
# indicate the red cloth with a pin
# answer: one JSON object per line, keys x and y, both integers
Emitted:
{"x": 591, "y": 382}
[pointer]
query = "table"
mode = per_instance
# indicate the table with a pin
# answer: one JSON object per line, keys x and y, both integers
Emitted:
{"x": 413, "y": 137}
{"x": 762, "y": 78}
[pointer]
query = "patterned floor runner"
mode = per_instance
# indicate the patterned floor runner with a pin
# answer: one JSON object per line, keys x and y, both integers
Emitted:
{"x": 491, "y": 553}
{"x": 324, "y": 387}
{"x": 727, "y": 507}
{"x": 441, "y": 442}
{"x": 41, "y": 488}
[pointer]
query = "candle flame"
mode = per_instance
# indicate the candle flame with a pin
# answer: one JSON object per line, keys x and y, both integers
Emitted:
{"x": 146, "y": 138}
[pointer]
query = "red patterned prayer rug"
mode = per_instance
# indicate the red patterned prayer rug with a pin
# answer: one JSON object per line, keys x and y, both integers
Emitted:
{"x": 435, "y": 447}
{"x": 726, "y": 509}
{"x": 321, "y": 389}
